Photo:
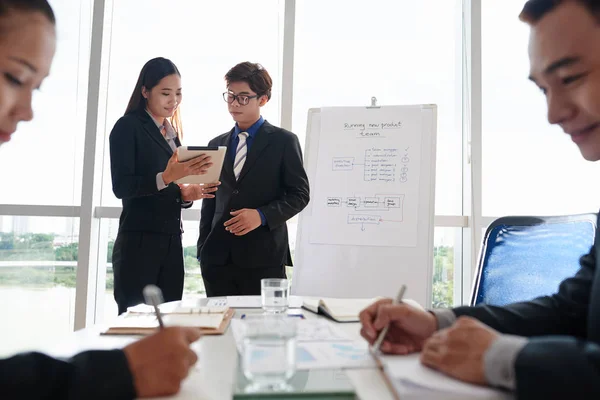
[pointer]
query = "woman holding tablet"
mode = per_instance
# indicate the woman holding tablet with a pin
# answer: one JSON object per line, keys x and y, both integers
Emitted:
{"x": 144, "y": 168}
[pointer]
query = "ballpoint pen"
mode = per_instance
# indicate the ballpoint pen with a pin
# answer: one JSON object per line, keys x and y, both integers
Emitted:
{"x": 397, "y": 300}
{"x": 153, "y": 296}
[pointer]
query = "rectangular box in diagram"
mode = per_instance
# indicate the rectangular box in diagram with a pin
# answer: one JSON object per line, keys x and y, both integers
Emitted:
{"x": 372, "y": 202}
{"x": 353, "y": 201}
{"x": 334, "y": 202}
{"x": 363, "y": 219}
{"x": 342, "y": 163}
{"x": 393, "y": 202}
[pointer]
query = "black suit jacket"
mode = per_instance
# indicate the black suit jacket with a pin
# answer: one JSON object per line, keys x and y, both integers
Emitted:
{"x": 88, "y": 375}
{"x": 138, "y": 152}
{"x": 562, "y": 357}
{"x": 272, "y": 180}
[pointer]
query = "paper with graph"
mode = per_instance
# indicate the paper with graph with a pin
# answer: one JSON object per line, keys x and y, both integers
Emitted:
{"x": 367, "y": 182}
{"x": 320, "y": 345}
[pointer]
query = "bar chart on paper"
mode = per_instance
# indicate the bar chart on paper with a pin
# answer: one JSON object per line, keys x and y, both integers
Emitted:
{"x": 367, "y": 184}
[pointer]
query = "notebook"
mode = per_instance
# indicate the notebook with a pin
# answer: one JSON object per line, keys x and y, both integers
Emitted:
{"x": 411, "y": 379}
{"x": 339, "y": 310}
{"x": 342, "y": 310}
{"x": 141, "y": 320}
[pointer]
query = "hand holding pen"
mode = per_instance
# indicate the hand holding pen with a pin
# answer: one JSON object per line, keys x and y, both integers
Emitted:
{"x": 160, "y": 362}
{"x": 408, "y": 326}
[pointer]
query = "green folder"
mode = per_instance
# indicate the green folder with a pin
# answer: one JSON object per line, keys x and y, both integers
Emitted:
{"x": 323, "y": 384}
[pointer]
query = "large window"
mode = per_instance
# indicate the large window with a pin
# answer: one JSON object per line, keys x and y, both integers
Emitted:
{"x": 529, "y": 167}
{"x": 38, "y": 260}
{"x": 400, "y": 52}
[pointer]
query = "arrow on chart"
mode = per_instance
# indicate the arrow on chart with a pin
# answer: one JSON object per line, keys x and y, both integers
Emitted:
{"x": 362, "y": 227}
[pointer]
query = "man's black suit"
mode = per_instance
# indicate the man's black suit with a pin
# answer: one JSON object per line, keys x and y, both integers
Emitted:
{"x": 272, "y": 180}
{"x": 88, "y": 375}
{"x": 148, "y": 246}
{"x": 562, "y": 357}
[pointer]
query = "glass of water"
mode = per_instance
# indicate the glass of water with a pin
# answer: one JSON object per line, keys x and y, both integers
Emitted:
{"x": 269, "y": 351}
{"x": 275, "y": 293}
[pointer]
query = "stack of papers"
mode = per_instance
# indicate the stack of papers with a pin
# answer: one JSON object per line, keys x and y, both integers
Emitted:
{"x": 411, "y": 379}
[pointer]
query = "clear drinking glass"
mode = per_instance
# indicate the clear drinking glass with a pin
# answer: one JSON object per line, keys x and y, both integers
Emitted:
{"x": 275, "y": 294}
{"x": 269, "y": 351}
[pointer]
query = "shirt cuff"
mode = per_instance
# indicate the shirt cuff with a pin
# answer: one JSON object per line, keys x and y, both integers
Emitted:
{"x": 263, "y": 220}
{"x": 445, "y": 317}
{"x": 160, "y": 183}
{"x": 499, "y": 361}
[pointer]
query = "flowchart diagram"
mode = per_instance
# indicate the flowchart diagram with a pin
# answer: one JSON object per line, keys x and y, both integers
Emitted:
{"x": 380, "y": 164}
{"x": 366, "y": 186}
{"x": 377, "y": 203}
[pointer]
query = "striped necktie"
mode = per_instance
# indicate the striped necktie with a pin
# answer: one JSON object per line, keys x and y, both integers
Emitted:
{"x": 240, "y": 154}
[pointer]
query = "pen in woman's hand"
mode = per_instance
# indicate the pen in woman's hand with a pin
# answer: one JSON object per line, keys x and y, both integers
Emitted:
{"x": 153, "y": 296}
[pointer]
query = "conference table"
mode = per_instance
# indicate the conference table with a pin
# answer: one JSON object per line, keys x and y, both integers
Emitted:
{"x": 214, "y": 376}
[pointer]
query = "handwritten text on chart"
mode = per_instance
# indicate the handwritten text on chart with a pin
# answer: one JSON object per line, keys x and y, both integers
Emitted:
{"x": 381, "y": 202}
{"x": 363, "y": 219}
{"x": 380, "y": 164}
{"x": 371, "y": 129}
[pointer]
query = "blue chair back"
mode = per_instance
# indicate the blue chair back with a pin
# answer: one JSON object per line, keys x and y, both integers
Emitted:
{"x": 526, "y": 257}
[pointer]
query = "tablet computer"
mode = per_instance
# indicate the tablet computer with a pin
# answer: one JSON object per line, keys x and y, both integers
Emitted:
{"x": 217, "y": 153}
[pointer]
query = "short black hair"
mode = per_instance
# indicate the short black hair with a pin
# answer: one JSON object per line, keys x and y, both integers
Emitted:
{"x": 254, "y": 74}
{"x": 534, "y": 10}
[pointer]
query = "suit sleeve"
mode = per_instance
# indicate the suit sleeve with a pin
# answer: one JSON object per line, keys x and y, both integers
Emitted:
{"x": 295, "y": 185}
{"x": 557, "y": 361}
{"x": 127, "y": 180}
{"x": 88, "y": 375}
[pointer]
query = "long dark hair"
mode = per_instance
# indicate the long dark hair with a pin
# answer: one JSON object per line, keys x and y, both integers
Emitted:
{"x": 152, "y": 72}
{"x": 27, "y": 5}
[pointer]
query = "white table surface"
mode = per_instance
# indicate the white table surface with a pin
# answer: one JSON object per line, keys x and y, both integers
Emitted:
{"x": 213, "y": 377}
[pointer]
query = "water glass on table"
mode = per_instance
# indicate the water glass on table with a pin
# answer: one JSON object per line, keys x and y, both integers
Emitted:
{"x": 269, "y": 351}
{"x": 275, "y": 295}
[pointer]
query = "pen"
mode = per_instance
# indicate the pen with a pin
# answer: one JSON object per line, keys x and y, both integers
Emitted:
{"x": 293, "y": 315}
{"x": 153, "y": 296}
{"x": 397, "y": 300}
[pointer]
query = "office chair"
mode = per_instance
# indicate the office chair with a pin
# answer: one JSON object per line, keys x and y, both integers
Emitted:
{"x": 526, "y": 257}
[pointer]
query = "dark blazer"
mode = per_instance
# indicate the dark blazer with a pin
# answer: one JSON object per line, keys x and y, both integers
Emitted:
{"x": 88, "y": 375}
{"x": 562, "y": 357}
{"x": 138, "y": 152}
{"x": 272, "y": 180}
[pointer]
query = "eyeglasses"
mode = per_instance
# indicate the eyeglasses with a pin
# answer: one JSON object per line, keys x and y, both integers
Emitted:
{"x": 242, "y": 99}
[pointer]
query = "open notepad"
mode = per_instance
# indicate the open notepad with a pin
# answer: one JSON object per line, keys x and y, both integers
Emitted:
{"x": 141, "y": 319}
{"x": 413, "y": 380}
{"x": 342, "y": 310}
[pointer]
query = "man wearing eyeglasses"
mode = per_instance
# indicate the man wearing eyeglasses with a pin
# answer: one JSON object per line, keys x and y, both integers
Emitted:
{"x": 243, "y": 232}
